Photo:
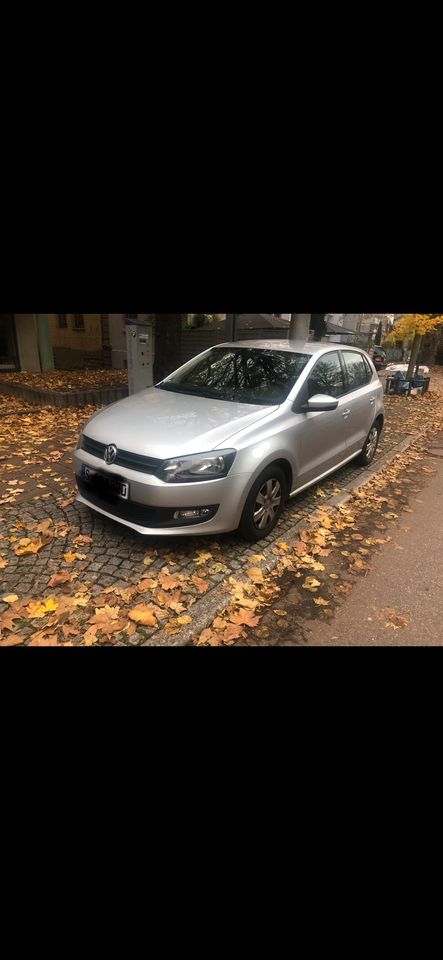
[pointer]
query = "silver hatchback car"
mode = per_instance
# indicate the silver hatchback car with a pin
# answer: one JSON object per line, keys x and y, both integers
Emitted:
{"x": 220, "y": 444}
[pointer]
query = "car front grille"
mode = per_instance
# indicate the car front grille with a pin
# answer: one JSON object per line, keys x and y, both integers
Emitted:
{"x": 132, "y": 461}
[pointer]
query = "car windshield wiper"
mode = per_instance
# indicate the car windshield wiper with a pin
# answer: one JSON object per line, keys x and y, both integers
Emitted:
{"x": 193, "y": 391}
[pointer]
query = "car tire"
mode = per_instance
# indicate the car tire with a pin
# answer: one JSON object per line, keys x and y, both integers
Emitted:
{"x": 264, "y": 505}
{"x": 371, "y": 443}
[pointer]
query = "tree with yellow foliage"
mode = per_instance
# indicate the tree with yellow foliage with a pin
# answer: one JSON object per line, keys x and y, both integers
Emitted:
{"x": 413, "y": 326}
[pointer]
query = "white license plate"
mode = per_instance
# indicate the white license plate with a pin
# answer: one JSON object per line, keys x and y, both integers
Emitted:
{"x": 99, "y": 481}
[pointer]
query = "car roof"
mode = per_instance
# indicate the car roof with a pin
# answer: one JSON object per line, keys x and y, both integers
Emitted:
{"x": 291, "y": 346}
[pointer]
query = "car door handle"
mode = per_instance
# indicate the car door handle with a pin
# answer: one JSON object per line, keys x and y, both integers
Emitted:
{"x": 345, "y": 413}
{"x": 372, "y": 401}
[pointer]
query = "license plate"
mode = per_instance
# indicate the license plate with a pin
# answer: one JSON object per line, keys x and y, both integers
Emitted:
{"x": 115, "y": 485}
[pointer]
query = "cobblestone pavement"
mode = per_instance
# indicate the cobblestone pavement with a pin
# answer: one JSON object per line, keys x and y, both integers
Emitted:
{"x": 37, "y": 485}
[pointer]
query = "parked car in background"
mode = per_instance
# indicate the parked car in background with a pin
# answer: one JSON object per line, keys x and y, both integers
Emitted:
{"x": 220, "y": 444}
{"x": 378, "y": 357}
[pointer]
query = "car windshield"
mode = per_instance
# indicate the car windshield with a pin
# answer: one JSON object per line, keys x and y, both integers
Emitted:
{"x": 241, "y": 374}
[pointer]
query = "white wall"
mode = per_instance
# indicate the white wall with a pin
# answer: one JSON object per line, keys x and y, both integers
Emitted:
{"x": 118, "y": 339}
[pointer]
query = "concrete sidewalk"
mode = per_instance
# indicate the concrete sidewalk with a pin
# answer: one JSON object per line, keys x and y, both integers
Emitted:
{"x": 405, "y": 585}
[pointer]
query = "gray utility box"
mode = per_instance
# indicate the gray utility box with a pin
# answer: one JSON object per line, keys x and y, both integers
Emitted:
{"x": 140, "y": 353}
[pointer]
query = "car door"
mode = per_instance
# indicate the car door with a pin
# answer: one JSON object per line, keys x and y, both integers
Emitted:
{"x": 321, "y": 435}
{"x": 360, "y": 399}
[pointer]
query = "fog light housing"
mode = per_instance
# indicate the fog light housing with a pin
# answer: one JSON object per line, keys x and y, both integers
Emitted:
{"x": 195, "y": 513}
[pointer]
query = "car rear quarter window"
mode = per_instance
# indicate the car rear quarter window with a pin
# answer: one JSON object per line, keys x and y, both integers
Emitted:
{"x": 356, "y": 370}
{"x": 368, "y": 368}
{"x": 327, "y": 377}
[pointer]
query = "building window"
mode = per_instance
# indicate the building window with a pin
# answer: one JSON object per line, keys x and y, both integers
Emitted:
{"x": 62, "y": 321}
{"x": 79, "y": 321}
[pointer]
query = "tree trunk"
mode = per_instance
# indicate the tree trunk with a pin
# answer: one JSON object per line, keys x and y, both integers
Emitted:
{"x": 318, "y": 325}
{"x": 168, "y": 330}
{"x": 414, "y": 356}
{"x": 429, "y": 348}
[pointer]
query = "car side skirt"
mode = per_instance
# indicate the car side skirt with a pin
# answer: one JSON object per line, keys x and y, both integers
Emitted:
{"x": 325, "y": 474}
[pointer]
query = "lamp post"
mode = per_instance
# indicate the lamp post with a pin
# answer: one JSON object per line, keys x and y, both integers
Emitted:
{"x": 299, "y": 327}
{"x": 230, "y": 326}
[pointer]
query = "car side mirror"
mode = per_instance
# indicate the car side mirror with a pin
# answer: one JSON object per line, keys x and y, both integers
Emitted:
{"x": 321, "y": 401}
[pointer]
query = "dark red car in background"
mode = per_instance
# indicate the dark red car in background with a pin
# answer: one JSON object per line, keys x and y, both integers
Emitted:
{"x": 378, "y": 357}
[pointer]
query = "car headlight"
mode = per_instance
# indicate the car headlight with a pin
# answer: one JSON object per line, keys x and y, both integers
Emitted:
{"x": 198, "y": 466}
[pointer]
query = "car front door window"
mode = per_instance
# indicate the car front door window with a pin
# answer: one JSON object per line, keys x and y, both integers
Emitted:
{"x": 327, "y": 377}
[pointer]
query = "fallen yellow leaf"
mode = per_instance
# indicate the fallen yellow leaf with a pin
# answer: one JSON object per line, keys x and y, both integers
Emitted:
{"x": 202, "y": 557}
{"x": 90, "y": 636}
{"x": 143, "y": 613}
{"x": 59, "y": 578}
{"x": 12, "y": 641}
{"x": 28, "y": 546}
{"x": 233, "y": 632}
{"x": 37, "y": 609}
{"x": 255, "y": 574}
{"x": 104, "y": 614}
{"x": 245, "y": 618}
{"x": 218, "y": 568}
{"x": 46, "y": 641}
{"x": 311, "y": 583}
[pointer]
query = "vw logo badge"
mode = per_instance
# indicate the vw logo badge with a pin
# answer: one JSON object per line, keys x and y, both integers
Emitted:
{"x": 110, "y": 453}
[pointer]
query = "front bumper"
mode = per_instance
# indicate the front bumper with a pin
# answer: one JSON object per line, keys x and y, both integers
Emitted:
{"x": 152, "y": 502}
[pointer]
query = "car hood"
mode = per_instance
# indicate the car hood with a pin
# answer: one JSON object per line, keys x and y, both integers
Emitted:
{"x": 157, "y": 423}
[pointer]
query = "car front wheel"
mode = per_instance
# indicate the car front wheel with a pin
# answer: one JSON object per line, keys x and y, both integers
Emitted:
{"x": 264, "y": 505}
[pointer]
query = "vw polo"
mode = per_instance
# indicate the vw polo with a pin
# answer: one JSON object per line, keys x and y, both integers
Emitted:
{"x": 225, "y": 440}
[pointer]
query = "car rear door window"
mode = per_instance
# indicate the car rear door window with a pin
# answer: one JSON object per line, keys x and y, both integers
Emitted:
{"x": 356, "y": 370}
{"x": 327, "y": 377}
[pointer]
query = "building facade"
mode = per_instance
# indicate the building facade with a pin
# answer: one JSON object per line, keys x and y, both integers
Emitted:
{"x": 364, "y": 326}
{"x": 77, "y": 340}
{"x": 25, "y": 342}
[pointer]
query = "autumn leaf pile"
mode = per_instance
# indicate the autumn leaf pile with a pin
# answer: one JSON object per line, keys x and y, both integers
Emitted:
{"x": 65, "y": 381}
{"x": 68, "y": 613}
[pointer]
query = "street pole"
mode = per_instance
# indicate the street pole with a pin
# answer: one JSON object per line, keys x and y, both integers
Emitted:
{"x": 44, "y": 342}
{"x": 230, "y": 326}
{"x": 299, "y": 328}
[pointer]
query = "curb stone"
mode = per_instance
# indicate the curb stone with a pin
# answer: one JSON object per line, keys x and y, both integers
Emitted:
{"x": 73, "y": 398}
{"x": 215, "y": 602}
